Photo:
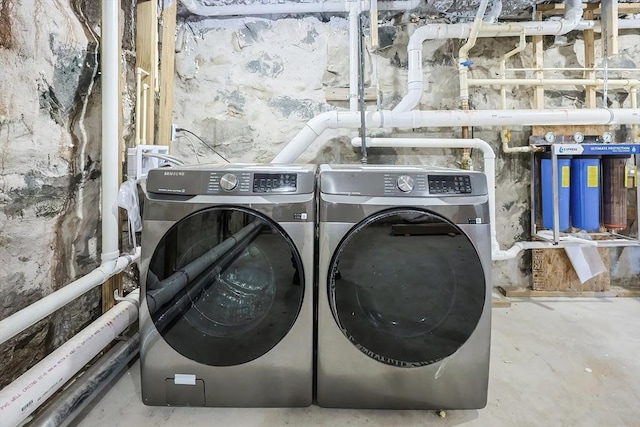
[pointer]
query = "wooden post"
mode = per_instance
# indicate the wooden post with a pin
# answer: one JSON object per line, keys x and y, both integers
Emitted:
{"x": 147, "y": 57}
{"x": 589, "y": 57}
{"x": 538, "y": 52}
{"x": 610, "y": 12}
{"x": 167, "y": 64}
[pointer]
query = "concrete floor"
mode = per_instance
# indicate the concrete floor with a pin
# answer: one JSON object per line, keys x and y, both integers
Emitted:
{"x": 554, "y": 362}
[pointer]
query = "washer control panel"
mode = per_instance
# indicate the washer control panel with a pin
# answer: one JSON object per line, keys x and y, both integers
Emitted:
{"x": 449, "y": 184}
{"x": 275, "y": 182}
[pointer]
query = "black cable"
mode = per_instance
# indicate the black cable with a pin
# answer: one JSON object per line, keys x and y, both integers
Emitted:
{"x": 203, "y": 142}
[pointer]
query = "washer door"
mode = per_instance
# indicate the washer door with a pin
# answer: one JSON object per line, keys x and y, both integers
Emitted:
{"x": 406, "y": 287}
{"x": 224, "y": 286}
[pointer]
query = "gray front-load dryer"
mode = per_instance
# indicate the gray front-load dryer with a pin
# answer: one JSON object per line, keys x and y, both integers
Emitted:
{"x": 226, "y": 314}
{"x": 404, "y": 308}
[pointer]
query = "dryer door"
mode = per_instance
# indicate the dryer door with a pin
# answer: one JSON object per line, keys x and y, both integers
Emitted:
{"x": 224, "y": 286}
{"x": 406, "y": 287}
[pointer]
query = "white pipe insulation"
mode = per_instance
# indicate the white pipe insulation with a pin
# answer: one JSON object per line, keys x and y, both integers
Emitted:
{"x": 450, "y": 118}
{"x": 24, "y": 395}
{"x": 197, "y": 8}
{"x": 415, "y": 83}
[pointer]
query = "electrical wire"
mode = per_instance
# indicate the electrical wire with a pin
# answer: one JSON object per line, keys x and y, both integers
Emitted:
{"x": 193, "y": 147}
{"x": 203, "y": 142}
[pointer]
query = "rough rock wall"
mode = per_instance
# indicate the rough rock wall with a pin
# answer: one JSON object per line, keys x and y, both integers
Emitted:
{"x": 49, "y": 167}
{"x": 247, "y": 86}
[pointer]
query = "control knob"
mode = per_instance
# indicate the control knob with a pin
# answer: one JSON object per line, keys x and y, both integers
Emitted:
{"x": 228, "y": 182}
{"x": 405, "y": 183}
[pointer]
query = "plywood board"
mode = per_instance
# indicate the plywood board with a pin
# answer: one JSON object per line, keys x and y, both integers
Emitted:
{"x": 552, "y": 271}
{"x": 614, "y": 292}
{"x": 569, "y": 129}
{"x": 147, "y": 56}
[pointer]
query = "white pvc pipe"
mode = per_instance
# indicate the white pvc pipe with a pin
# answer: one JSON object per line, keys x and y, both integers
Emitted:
{"x": 109, "y": 65}
{"x": 111, "y": 262}
{"x": 415, "y": 84}
{"x": 197, "y": 8}
{"x": 554, "y": 82}
{"x": 450, "y": 118}
{"x": 40, "y": 309}
{"x": 497, "y": 254}
{"x": 489, "y": 164}
{"x": 353, "y": 56}
{"x": 463, "y": 54}
{"x": 24, "y": 395}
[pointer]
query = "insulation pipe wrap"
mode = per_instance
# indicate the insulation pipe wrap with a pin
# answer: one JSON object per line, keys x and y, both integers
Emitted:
{"x": 24, "y": 395}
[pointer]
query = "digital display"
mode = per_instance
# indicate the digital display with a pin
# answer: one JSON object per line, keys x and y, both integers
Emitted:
{"x": 275, "y": 182}
{"x": 449, "y": 184}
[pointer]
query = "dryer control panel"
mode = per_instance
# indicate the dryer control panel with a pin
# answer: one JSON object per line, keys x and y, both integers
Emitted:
{"x": 449, "y": 184}
{"x": 400, "y": 181}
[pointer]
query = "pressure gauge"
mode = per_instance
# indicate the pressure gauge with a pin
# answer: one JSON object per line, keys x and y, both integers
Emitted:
{"x": 578, "y": 137}
{"x": 607, "y": 137}
{"x": 550, "y": 137}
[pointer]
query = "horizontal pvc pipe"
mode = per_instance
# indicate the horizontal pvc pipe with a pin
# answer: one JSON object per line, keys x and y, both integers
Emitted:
{"x": 197, "y": 8}
{"x": 554, "y": 82}
{"x": 450, "y": 118}
{"x": 40, "y": 309}
{"x": 66, "y": 406}
{"x": 20, "y": 398}
{"x": 489, "y": 164}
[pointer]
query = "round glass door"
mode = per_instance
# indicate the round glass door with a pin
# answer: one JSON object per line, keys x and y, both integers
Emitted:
{"x": 224, "y": 286}
{"x": 406, "y": 287}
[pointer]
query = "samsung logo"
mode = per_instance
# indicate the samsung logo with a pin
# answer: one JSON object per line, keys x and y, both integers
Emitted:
{"x": 173, "y": 173}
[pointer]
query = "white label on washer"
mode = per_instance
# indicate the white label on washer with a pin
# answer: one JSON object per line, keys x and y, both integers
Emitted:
{"x": 184, "y": 379}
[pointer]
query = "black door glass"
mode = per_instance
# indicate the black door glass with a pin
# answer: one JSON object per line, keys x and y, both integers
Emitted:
{"x": 224, "y": 286}
{"x": 406, "y": 287}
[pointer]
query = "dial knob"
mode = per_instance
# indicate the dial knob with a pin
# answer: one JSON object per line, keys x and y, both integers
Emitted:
{"x": 405, "y": 183}
{"x": 228, "y": 181}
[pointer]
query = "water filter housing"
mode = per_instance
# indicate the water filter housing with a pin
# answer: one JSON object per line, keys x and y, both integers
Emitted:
{"x": 585, "y": 193}
{"x": 564, "y": 184}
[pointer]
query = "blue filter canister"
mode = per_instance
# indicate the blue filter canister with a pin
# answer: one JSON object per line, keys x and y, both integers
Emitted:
{"x": 585, "y": 193}
{"x": 564, "y": 174}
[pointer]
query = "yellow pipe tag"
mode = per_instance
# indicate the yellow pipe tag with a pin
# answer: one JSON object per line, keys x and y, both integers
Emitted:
{"x": 626, "y": 176}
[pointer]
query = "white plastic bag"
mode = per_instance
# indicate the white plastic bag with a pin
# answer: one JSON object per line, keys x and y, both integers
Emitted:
{"x": 128, "y": 200}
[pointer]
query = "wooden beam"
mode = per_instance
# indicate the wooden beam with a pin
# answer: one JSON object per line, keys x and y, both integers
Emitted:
{"x": 538, "y": 53}
{"x": 589, "y": 59}
{"x": 167, "y": 66}
{"x": 558, "y": 8}
{"x": 147, "y": 56}
{"x": 610, "y": 28}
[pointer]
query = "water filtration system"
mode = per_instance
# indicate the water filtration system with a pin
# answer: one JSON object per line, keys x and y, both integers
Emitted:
{"x": 580, "y": 185}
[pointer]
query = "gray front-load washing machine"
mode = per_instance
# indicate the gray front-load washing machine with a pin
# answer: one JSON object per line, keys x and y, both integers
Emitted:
{"x": 404, "y": 308}
{"x": 226, "y": 313}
